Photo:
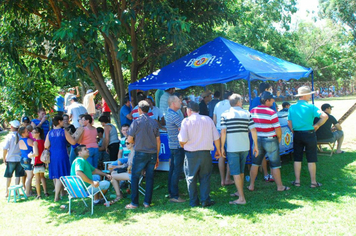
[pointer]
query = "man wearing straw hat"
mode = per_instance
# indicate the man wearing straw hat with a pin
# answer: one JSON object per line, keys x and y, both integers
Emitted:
{"x": 300, "y": 121}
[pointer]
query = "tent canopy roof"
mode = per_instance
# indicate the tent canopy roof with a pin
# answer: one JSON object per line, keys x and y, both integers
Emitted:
{"x": 220, "y": 61}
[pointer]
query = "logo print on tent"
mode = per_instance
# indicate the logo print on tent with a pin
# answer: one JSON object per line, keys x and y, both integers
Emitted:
{"x": 200, "y": 61}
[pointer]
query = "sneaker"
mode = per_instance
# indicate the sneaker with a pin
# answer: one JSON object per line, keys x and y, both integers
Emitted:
{"x": 99, "y": 202}
{"x": 269, "y": 178}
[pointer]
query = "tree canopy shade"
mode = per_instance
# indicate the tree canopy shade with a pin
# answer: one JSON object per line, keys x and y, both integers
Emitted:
{"x": 220, "y": 61}
{"x": 106, "y": 39}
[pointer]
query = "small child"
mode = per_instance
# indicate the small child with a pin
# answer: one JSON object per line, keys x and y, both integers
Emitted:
{"x": 103, "y": 155}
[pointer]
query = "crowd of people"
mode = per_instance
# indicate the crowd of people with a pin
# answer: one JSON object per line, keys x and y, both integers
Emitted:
{"x": 194, "y": 128}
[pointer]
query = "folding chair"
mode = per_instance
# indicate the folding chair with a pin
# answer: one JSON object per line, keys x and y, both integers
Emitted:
{"x": 140, "y": 188}
{"x": 76, "y": 188}
{"x": 330, "y": 144}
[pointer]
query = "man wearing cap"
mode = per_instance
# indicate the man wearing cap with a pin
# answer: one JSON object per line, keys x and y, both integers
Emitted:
{"x": 269, "y": 136}
{"x": 69, "y": 96}
{"x": 220, "y": 108}
{"x": 203, "y": 105}
{"x": 88, "y": 102}
{"x": 196, "y": 136}
{"x": 300, "y": 120}
{"x": 75, "y": 110}
{"x": 12, "y": 156}
{"x": 324, "y": 133}
{"x": 59, "y": 107}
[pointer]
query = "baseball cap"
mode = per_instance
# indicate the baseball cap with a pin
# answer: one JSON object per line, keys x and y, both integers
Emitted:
{"x": 326, "y": 106}
{"x": 89, "y": 91}
{"x": 15, "y": 123}
{"x": 25, "y": 119}
{"x": 267, "y": 95}
{"x": 70, "y": 89}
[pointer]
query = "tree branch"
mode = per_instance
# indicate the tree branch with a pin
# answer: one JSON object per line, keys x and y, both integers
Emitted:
{"x": 40, "y": 15}
{"x": 56, "y": 11}
{"x": 81, "y": 7}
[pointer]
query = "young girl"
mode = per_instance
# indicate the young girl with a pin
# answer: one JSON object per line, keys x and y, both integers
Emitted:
{"x": 25, "y": 145}
{"x": 39, "y": 166}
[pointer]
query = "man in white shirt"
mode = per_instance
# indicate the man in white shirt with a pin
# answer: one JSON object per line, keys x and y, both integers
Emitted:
{"x": 89, "y": 103}
{"x": 69, "y": 96}
{"x": 75, "y": 110}
{"x": 220, "y": 108}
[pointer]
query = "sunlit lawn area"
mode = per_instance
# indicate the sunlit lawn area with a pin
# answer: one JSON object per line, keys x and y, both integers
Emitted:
{"x": 329, "y": 210}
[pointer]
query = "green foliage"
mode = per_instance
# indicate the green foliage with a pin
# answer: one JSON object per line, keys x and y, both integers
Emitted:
{"x": 327, "y": 50}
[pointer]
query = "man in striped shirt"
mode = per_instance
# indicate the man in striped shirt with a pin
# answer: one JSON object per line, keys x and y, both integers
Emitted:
{"x": 269, "y": 136}
{"x": 235, "y": 124}
{"x": 173, "y": 123}
{"x": 196, "y": 136}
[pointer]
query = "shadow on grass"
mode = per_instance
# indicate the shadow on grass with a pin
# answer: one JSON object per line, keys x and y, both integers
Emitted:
{"x": 334, "y": 172}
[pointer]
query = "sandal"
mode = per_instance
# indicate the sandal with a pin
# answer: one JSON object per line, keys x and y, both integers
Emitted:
{"x": 234, "y": 195}
{"x": 316, "y": 185}
{"x": 115, "y": 200}
{"x": 38, "y": 197}
{"x": 47, "y": 194}
{"x": 130, "y": 207}
{"x": 296, "y": 184}
{"x": 146, "y": 205}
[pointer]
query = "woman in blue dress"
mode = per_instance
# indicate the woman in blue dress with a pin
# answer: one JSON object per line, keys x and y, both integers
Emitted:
{"x": 56, "y": 142}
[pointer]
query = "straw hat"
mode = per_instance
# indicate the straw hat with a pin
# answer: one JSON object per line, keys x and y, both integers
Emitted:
{"x": 206, "y": 94}
{"x": 304, "y": 90}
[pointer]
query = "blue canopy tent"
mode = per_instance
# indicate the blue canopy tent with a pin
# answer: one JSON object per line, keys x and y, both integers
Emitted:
{"x": 221, "y": 61}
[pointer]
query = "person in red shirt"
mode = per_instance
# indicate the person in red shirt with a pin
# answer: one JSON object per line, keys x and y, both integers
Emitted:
{"x": 39, "y": 167}
{"x": 105, "y": 108}
{"x": 269, "y": 136}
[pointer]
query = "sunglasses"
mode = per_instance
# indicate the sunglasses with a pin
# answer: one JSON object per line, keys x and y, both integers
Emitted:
{"x": 127, "y": 143}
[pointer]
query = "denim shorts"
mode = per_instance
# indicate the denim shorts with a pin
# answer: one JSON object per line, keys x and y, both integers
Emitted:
{"x": 12, "y": 167}
{"x": 336, "y": 136}
{"x": 269, "y": 147}
{"x": 26, "y": 163}
{"x": 237, "y": 162}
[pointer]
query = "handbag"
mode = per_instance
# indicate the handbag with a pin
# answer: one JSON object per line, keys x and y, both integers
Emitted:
{"x": 46, "y": 156}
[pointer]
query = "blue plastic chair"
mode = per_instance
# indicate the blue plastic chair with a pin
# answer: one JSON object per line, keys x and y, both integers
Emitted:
{"x": 76, "y": 188}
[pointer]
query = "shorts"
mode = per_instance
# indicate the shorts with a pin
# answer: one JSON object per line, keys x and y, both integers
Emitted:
{"x": 237, "y": 162}
{"x": 307, "y": 140}
{"x": 270, "y": 147}
{"x": 336, "y": 136}
{"x": 121, "y": 160}
{"x": 39, "y": 169}
{"x": 103, "y": 185}
{"x": 14, "y": 166}
{"x": 26, "y": 163}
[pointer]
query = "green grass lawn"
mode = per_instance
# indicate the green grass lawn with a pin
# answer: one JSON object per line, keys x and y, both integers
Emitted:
{"x": 329, "y": 210}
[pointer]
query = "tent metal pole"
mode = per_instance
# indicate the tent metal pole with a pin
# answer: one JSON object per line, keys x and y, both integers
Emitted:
{"x": 312, "y": 75}
{"x": 249, "y": 90}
